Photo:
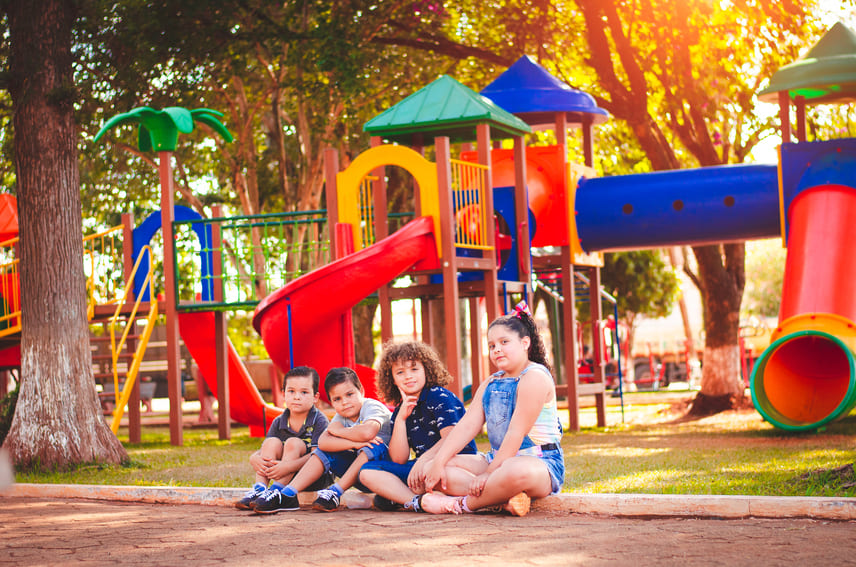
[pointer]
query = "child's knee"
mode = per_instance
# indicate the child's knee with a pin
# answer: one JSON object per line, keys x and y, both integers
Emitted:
{"x": 271, "y": 448}
{"x": 294, "y": 447}
{"x": 366, "y": 476}
{"x": 520, "y": 475}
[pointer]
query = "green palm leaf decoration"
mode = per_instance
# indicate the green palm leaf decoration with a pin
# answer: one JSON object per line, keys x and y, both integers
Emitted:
{"x": 159, "y": 128}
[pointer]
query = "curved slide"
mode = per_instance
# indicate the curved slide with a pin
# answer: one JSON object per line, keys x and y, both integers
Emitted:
{"x": 308, "y": 322}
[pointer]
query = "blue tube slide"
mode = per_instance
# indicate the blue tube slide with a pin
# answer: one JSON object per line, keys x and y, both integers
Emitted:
{"x": 682, "y": 207}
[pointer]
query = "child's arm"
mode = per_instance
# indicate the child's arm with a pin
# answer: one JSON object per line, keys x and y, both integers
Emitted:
{"x": 399, "y": 447}
{"x": 335, "y": 428}
{"x": 532, "y": 391}
{"x": 333, "y": 444}
{"x": 416, "y": 478}
{"x": 362, "y": 433}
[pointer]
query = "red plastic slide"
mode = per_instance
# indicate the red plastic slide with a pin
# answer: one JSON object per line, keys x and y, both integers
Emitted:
{"x": 312, "y": 313}
{"x": 246, "y": 403}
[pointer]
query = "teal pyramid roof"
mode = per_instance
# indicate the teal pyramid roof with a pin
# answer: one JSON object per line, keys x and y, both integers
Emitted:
{"x": 826, "y": 74}
{"x": 443, "y": 108}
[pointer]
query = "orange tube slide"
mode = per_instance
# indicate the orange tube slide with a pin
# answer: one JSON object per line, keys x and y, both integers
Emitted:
{"x": 806, "y": 377}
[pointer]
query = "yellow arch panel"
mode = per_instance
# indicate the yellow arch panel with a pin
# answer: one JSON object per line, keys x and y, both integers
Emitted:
{"x": 422, "y": 170}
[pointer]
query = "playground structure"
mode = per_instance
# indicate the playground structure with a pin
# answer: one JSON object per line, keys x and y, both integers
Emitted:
{"x": 803, "y": 380}
{"x": 555, "y": 219}
{"x": 451, "y": 251}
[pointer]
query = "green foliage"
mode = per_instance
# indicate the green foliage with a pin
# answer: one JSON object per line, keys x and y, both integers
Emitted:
{"x": 765, "y": 273}
{"x": 642, "y": 283}
{"x": 7, "y": 412}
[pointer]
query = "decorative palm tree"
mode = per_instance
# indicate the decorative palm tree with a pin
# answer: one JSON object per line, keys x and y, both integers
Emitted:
{"x": 159, "y": 128}
{"x": 159, "y": 132}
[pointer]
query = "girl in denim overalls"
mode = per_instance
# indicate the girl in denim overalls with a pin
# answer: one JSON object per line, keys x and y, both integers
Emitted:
{"x": 518, "y": 406}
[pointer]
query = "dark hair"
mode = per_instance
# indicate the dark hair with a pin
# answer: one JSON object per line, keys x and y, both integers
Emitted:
{"x": 524, "y": 325}
{"x": 303, "y": 372}
{"x": 341, "y": 375}
{"x": 436, "y": 373}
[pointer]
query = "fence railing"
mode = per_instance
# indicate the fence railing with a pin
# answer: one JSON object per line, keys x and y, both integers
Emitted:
{"x": 259, "y": 253}
{"x": 10, "y": 292}
{"x": 469, "y": 183}
{"x": 104, "y": 268}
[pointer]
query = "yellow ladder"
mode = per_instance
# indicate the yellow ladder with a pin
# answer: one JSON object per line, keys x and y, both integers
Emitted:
{"x": 116, "y": 348}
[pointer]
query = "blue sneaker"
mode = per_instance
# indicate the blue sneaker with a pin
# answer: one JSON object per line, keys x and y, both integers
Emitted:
{"x": 249, "y": 499}
{"x": 272, "y": 501}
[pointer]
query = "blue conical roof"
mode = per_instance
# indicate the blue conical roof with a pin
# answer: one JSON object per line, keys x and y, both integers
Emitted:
{"x": 528, "y": 90}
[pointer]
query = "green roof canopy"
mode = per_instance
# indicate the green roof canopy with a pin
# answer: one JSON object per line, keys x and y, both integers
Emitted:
{"x": 826, "y": 74}
{"x": 443, "y": 108}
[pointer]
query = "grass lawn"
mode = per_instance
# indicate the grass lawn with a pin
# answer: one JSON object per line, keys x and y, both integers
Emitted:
{"x": 649, "y": 452}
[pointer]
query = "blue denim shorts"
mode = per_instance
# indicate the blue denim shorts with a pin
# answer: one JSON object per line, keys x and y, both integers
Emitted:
{"x": 555, "y": 461}
{"x": 401, "y": 470}
{"x": 339, "y": 462}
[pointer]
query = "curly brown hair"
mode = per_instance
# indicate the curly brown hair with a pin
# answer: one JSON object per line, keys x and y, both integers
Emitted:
{"x": 436, "y": 373}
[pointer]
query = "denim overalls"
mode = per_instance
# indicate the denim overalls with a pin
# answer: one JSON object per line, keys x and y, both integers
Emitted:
{"x": 499, "y": 401}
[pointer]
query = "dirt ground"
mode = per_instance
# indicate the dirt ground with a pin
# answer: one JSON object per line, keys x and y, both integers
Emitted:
{"x": 47, "y": 531}
{"x": 81, "y": 532}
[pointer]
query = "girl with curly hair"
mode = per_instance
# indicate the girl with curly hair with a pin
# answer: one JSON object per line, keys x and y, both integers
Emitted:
{"x": 411, "y": 376}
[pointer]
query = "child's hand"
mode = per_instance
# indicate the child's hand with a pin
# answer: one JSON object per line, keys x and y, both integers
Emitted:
{"x": 260, "y": 464}
{"x": 407, "y": 405}
{"x": 279, "y": 469}
{"x": 416, "y": 478}
{"x": 268, "y": 467}
{"x": 369, "y": 443}
{"x": 435, "y": 477}
{"x": 477, "y": 484}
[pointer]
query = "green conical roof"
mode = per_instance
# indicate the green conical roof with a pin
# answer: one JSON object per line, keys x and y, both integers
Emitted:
{"x": 443, "y": 108}
{"x": 826, "y": 74}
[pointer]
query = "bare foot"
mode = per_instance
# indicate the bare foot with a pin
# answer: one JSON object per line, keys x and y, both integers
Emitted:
{"x": 518, "y": 505}
{"x": 436, "y": 503}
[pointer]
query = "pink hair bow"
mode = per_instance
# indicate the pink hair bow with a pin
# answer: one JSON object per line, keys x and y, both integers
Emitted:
{"x": 522, "y": 307}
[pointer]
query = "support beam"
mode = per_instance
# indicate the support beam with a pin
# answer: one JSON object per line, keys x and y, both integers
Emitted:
{"x": 785, "y": 116}
{"x": 490, "y": 277}
{"x": 596, "y": 311}
{"x": 173, "y": 355}
{"x": 449, "y": 266}
{"x": 221, "y": 347}
{"x": 135, "y": 425}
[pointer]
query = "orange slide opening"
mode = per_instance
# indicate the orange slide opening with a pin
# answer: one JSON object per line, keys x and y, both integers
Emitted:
{"x": 803, "y": 380}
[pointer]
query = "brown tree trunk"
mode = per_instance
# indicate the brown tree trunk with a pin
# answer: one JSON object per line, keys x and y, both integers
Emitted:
{"x": 721, "y": 279}
{"x": 58, "y": 421}
{"x": 621, "y": 74}
{"x": 362, "y": 317}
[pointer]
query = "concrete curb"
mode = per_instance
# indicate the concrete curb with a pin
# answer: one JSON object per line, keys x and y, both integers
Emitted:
{"x": 619, "y": 505}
